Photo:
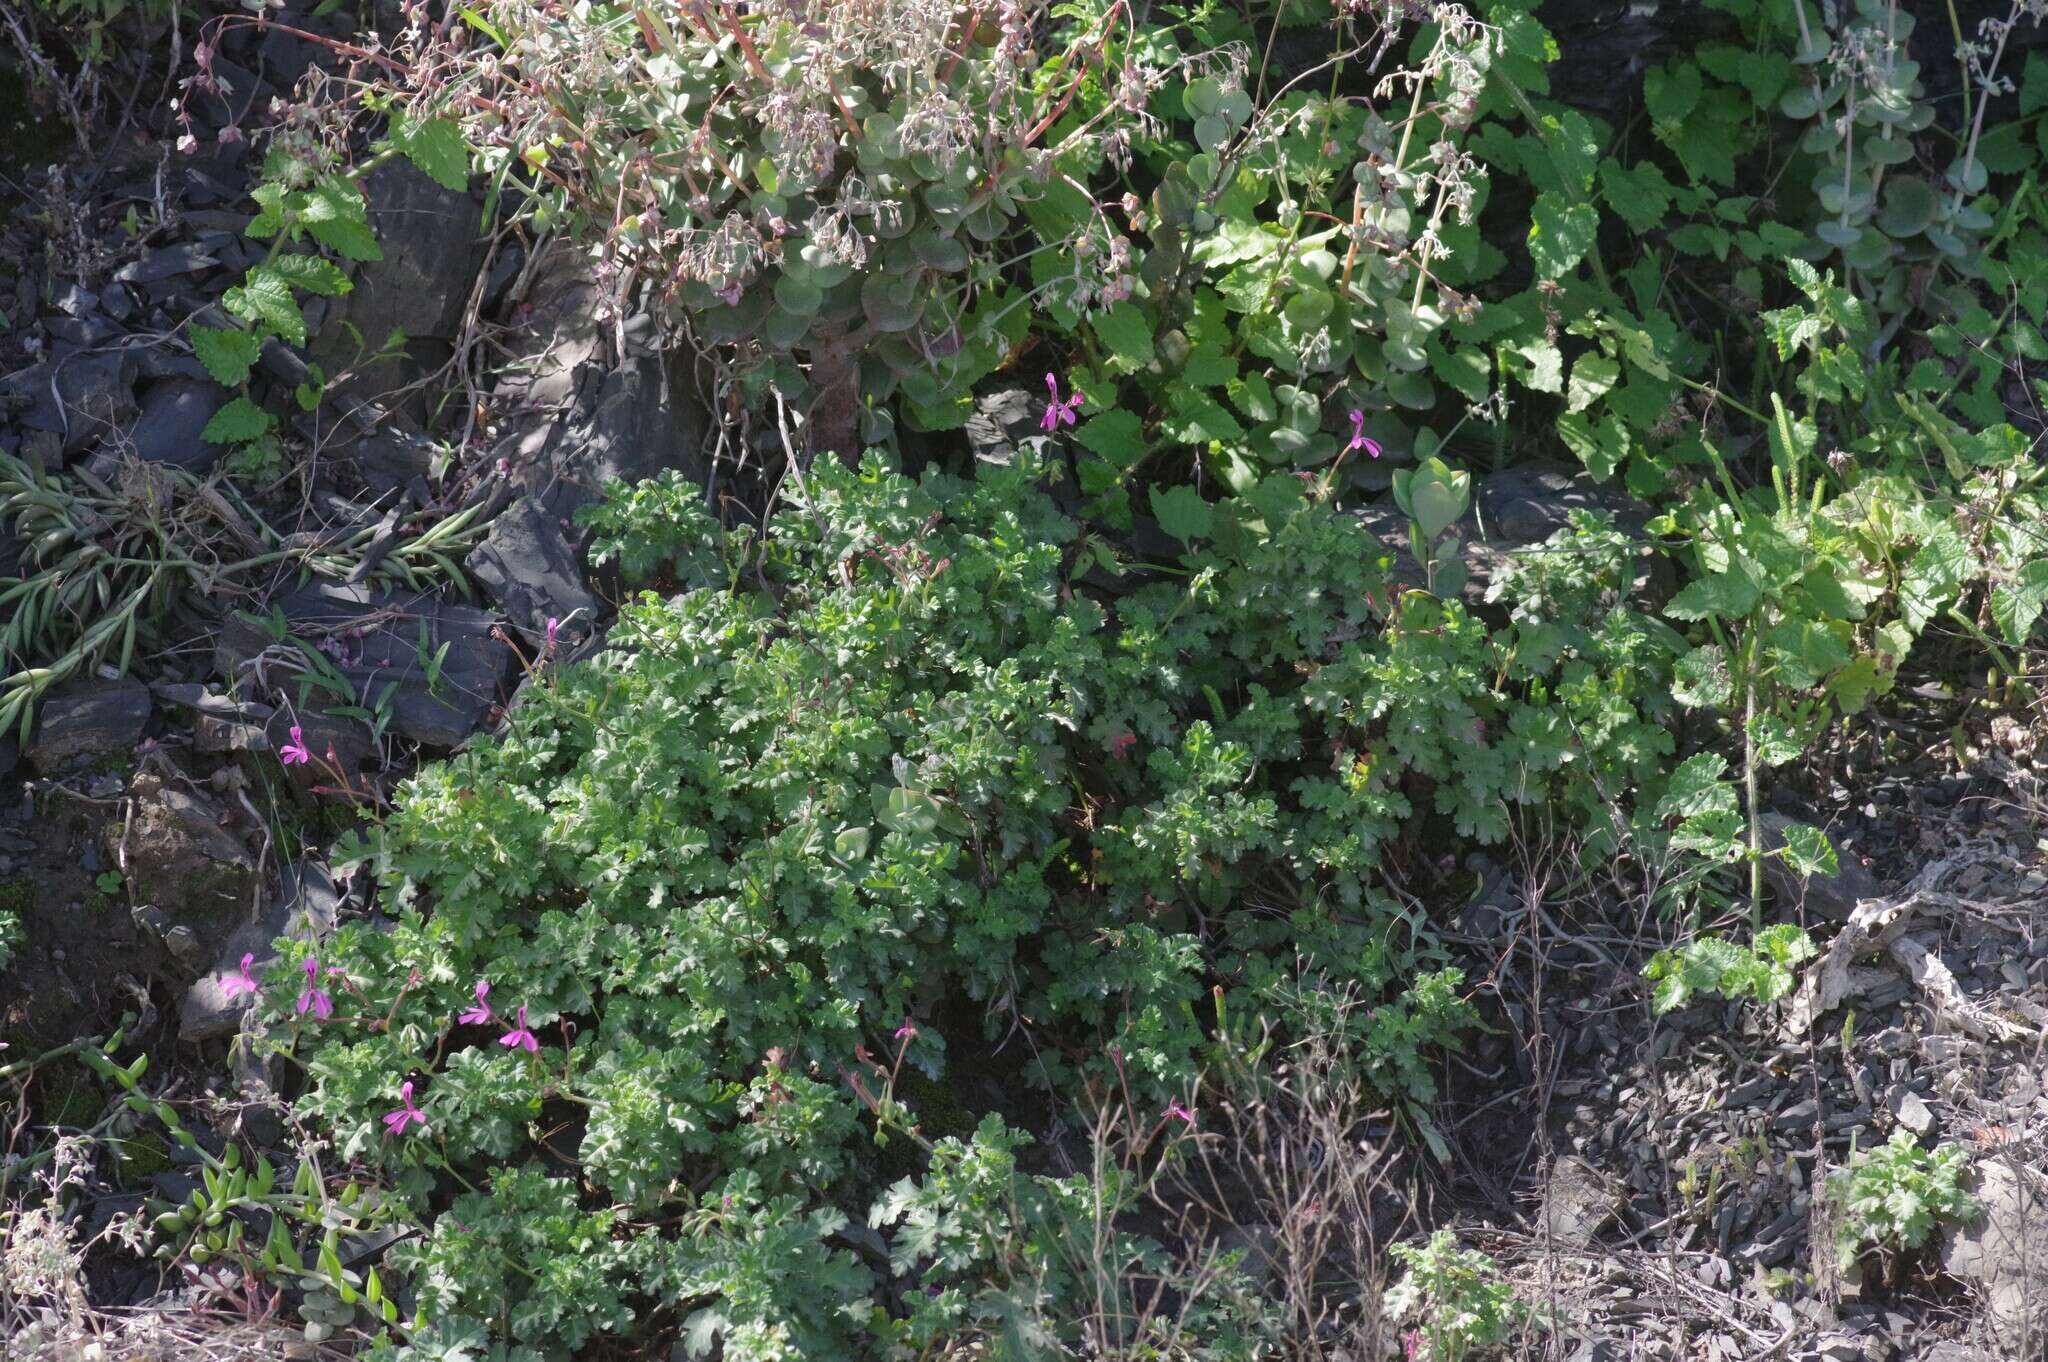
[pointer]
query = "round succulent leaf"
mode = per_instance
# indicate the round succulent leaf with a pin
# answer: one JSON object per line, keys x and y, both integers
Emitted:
{"x": 1412, "y": 389}
{"x": 1211, "y": 133}
{"x": 1910, "y": 206}
{"x": 783, "y": 329}
{"x": 740, "y": 321}
{"x": 1203, "y": 97}
{"x": 1234, "y": 108}
{"x": 797, "y": 291}
{"x": 1871, "y": 249}
{"x": 1838, "y": 234}
{"x": 1970, "y": 178}
{"x": 891, "y": 302}
{"x": 1309, "y": 309}
{"x": 939, "y": 252}
{"x": 1887, "y": 151}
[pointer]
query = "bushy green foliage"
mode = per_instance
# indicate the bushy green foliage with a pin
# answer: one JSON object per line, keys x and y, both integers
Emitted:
{"x": 897, "y": 754}
{"x": 1895, "y": 1196}
{"x": 1710, "y": 965}
{"x": 930, "y": 749}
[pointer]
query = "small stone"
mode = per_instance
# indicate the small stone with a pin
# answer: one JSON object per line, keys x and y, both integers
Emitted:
{"x": 1913, "y": 1112}
{"x": 1797, "y": 1118}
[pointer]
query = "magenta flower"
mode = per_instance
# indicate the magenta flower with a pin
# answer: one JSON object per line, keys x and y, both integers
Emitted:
{"x": 519, "y": 1038}
{"x": 553, "y": 625}
{"x": 1174, "y": 1110}
{"x": 397, "y": 1121}
{"x": 905, "y": 1031}
{"x": 235, "y": 985}
{"x": 314, "y": 996}
{"x": 482, "y": 1011}
{"x": 1120, "y": 746}
{"x": 1359, "y": 439}
{"x": 294, "y": 752}
{"x": 1058, "y": 413}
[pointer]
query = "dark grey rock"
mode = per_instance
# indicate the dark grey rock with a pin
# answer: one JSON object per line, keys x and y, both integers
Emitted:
{"x": 184, "y": 257}
{"x": 528, "y": 567}
{"x": 1830, "y": 896}
{"x": 389, "y": 458}
{"x": 634, "y": 422}
{"x": 1003, "y": 422}
{"x": 432, "y": 252}
{"x": 174, "y": 412}
{"x": 88, "y": 720}
{"x": 373, "y": 639}
{"x": 302, "y": 906}
{"x": 81, "y": 398}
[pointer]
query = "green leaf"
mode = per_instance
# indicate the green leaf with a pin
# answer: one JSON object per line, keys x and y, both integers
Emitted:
{"x": 2018, "y": 604}
{"x": 312, "y": 273}
{"x": 1182, "y": 513}
{"x": 1721, "y": 595}
{"x": 1808, "y": 851}
{"x": 238, "y": 422}
{"x": 1671, "y": 92}
{"x": 436, "y": 146}
{"x": 2034, "y": 85}
{"x": 1601, "y": 448}
{"x": 1775, "y": 741}
{"x": 1560, "y": 234}
{"x": 1127, "y": 332}
{"x": 1592, "y": 375}
{"x": 1699, "y": 679}
{"x": 1934, "y": 576}
{"x": 1194, "y": 417}
{"x": 228, "y": 355}
{"x": 265, "y": 298}
{"x": 1639, "y": 194}
{"x": 336, "y": 216}
{"x": 1697, "y": 787}
{"x": 1117, "y": 436}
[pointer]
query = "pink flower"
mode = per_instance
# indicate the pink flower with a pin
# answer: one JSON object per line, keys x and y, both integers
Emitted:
{"x": 519, "y": 1038}
{"x": 1120, "y": 746}
{"x": 553, "y": 625}
{"x": 1058, "y": 413}
{"x": 235, "y": 985}
{"x": 397, "y": 1121}
{"x": 481, "y": 1013}
{"x": 1359, "y": 439}
{"x": 1409, "y": 1341}
{"x": 905, "y": 1031}
{"x": 1175, "y": 1111}
{"x": 314, "y": 996}
{"x": 294, "y": 752}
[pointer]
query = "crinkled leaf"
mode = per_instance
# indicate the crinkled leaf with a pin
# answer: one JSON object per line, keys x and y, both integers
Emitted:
{"x": 2018, "y": 604}
{"x": 313, "y": 273}
{"x": 436, "y": 146}
{"x": 1699, "y": 679}
{"x": 228, "y": 355}
{"x": 1808, "y": 851}
{"x": 265, "y": 298}
{"x": 335, "y": 214}
{"x": 1560, "y": 234}
{"x": 239, "y": 421}
{"x": 1127, "y": 332}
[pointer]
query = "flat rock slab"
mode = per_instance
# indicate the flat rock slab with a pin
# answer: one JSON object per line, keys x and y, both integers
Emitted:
{"x": 374, "y": 639}
{"x": 86, "y": 721}
{"x": 2006, "y": 1253}
{"x": 527, "y": 565}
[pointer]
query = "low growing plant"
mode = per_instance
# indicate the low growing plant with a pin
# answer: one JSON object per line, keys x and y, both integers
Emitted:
{"x": 1457, "y": 1298}
{"x": 1894, "y": 1197}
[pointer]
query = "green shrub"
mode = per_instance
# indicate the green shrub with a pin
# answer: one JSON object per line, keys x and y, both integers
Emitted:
{"x": 903, "y": 758}
{"x": 1456, "y": 1295}
{"x": 1893, "y": 1198}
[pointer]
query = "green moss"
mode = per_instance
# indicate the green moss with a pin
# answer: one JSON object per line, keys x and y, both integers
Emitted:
{"x": 69, "y": 1095}
{"x": 16, "y": 893}
{"x": 141, "y": 1158}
